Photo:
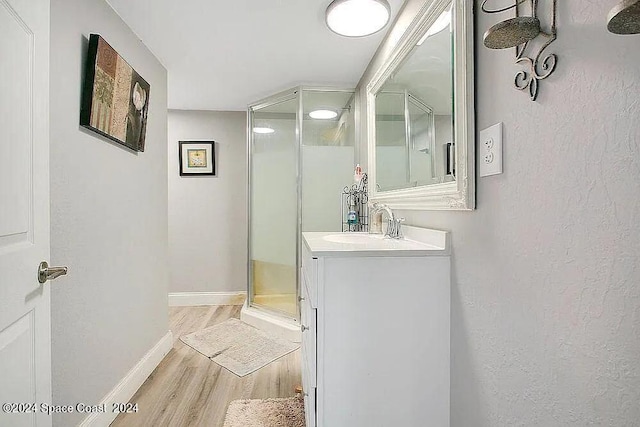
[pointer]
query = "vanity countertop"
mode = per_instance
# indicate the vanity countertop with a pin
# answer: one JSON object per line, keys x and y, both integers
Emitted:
{"x": 417, "y": 242}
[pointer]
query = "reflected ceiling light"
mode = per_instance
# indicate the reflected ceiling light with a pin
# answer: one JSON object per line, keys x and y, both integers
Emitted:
{"x": 323, "y": 114}
{"x": 441, "y": 23}
{"x": 357, "y": 18}
{"x": 263, "y": 130}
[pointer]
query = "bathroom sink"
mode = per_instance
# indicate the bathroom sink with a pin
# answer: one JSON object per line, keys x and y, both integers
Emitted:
{"x": 416, "y": 241}
{"x": 352, "y": 238}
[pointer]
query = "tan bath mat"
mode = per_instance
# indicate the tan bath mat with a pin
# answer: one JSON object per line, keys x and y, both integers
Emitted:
{"x": 238, "y": 347}
{"x": 287, "y": 412}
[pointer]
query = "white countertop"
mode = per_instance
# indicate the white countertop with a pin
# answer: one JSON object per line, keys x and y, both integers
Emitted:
{"x": 417, "y": 242}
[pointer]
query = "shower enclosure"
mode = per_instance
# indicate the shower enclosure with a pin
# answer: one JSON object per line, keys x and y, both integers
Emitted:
{"x": 413, "y": 142}
{"x": 298, "y": 165}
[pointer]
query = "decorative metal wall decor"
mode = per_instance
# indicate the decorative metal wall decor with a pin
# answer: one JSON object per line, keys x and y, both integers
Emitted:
{"x": 355, "y": 201}
{"x": 518, "y": 32}
{"x": 624, "y": 18}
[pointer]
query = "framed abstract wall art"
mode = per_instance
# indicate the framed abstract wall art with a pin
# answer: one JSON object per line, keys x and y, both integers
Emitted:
{"x": 115, "y": 98}
{"x": 197, "y": 158}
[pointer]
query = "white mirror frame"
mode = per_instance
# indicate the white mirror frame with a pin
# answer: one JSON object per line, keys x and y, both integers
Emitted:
{"x": 458, "y": 194}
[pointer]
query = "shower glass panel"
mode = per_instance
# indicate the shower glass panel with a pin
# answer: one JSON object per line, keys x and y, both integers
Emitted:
{"x": 407, "y": 135}
{"x": 298, "y": 166}
{"x": 421, "y": 142}
{"x": 391, "y": 142}
{"x": 327, "y": 157}
{"x": 274, "y": 206}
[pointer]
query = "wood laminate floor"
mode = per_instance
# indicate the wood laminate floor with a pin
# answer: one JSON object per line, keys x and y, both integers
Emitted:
{"x": 187, "y": 389}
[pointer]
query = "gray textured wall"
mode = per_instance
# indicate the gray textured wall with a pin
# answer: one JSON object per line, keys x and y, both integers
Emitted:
{"x": 108, "y": 219}
{"x": 546, "y": 272}
{"x": 208, "y": 215}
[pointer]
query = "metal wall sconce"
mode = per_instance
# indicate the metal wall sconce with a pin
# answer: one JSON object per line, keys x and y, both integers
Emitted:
{"x": 625, "y": 18}
{"x": 518, "y": 32}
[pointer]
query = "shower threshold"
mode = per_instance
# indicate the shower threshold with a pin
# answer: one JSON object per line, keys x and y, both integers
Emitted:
{"x": 277, "y": 324}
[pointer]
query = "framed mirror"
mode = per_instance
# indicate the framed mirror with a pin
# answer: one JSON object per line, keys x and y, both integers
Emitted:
{"x": 420, "y": 114}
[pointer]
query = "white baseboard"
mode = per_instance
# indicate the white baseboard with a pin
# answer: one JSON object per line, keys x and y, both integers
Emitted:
{"x": 177, "y": 299}
{"x": 127, "y": 387}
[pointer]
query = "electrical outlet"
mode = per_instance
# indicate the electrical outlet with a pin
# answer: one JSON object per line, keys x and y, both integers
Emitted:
{"x": 491, "y": 151}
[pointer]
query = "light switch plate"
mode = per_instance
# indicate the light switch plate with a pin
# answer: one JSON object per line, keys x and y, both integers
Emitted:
{"x": 490, "y": 151}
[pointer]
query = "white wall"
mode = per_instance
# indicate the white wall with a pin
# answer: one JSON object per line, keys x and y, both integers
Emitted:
{"x": 545, "y": 298}
{"x": 108, "y": 219}
{"x": 208, "y": 215}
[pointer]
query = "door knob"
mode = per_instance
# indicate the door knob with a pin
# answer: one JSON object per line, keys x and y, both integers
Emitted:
{"x": 49, "y": 273}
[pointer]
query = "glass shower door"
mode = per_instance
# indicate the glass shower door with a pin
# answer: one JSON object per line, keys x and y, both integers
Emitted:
{"x": 273, "y": 216}
{"x": 328, "y": 157}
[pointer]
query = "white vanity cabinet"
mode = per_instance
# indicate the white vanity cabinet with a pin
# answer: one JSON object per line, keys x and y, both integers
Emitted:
{"x": 375, "y": 341}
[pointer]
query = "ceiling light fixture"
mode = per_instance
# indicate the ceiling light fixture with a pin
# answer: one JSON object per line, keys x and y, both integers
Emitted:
{"x": 357, "y": 18}
{"x": 323, "y": 114}
{"x": 264, "y": 130}
{"x": 441, "y": 23}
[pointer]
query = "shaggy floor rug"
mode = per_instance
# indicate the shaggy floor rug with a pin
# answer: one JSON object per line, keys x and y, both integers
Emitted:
{"x": 287, "y": 412}
{"x": 239, "y": 347}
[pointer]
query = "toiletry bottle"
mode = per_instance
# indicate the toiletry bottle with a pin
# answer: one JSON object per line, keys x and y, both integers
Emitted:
{"x": 352, "y": 217}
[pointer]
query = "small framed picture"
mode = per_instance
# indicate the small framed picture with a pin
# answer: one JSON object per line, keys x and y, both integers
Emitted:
{"x": 197, "y": 158}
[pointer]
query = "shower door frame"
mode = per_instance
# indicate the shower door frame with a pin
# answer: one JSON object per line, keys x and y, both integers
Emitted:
{"x": 287, "y": 95}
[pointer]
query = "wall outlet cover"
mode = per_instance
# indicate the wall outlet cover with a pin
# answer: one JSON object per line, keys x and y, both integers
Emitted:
{"x": 490, "y": 151}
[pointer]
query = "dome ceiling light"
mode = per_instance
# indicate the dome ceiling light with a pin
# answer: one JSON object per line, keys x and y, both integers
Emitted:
{"x": 443, "y": 21}
{"x": 263, "y": 130}
{"x": 323, "y": 114}
{"x": 357, "y": 18}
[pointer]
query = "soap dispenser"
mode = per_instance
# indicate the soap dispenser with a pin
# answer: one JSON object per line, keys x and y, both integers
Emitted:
{"x": 375, "y": 215}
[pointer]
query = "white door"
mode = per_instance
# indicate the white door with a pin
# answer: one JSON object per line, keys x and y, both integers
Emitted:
{"x": 25, "y": 351}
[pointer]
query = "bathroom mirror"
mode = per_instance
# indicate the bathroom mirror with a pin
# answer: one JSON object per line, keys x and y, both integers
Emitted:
{"x": 420, "y": 114}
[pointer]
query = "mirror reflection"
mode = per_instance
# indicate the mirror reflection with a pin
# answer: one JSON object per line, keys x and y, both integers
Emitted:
{"x": 414, "y": 114}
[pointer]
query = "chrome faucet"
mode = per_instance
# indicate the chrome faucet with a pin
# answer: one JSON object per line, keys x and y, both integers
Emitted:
{"x": 394, "y": 228}
{"x": 394, "y": 225}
